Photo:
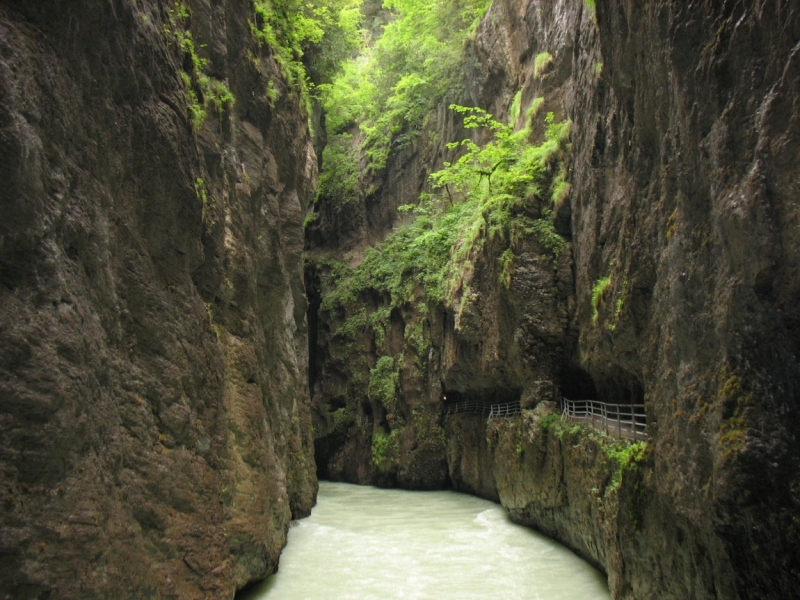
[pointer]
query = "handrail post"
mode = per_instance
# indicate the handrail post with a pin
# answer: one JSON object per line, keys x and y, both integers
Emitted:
{"x": 635, "y": 415}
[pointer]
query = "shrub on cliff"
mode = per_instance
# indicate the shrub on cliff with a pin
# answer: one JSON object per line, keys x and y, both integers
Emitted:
{"x": 492, "y": 191}
{"x": 383, "y": 382}
{"x": 397, "y": 79}
{"x": 309, "y": 39}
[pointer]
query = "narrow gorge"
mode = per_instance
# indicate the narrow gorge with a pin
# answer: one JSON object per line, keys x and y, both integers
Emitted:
{"x": 249, "y": 244}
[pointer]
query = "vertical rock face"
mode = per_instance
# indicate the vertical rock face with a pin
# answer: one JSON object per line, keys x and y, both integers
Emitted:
{"x": 683, "y": 224}
{"x": 684, "y": 186}
{"x": 156, "y": 436}
{"x": 686, "y": 196}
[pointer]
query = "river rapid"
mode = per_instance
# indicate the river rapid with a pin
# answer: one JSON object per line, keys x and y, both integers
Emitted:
{"x": 364, "y": 543}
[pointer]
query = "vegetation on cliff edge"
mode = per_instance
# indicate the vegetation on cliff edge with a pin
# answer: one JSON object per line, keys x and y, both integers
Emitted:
{"x": 492, "y": 191}
{"x": 384, "y": 94}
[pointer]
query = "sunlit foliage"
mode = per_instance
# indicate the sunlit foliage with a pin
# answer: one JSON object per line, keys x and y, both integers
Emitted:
{"x": 309, "y": 39}
{"x": 491, "y": 191}
{"x": 395, "y": 81}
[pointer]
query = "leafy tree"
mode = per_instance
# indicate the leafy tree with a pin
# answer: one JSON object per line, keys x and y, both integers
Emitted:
{"x": 310, "y": 39}
{"x": 395, "y": 81}
{"x": 489, "y": 191}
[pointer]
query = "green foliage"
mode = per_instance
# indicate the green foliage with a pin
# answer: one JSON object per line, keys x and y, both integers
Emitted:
{"x": 598, "y": 294}
{"x": 546, "y": 235}
{"x": 624, "y": 456}
{"x": 501, "y": 174}
{"x": 378, "y": 320}
{"x": 561, "y": 190}
{"x": 556, "y": 133}
{"x": 513, "y": 112}
{"x": 310, "y": 218}
{"x": 416, "y": 339}
{"x": 506, "y": 267}
{"x": 395, "y": 82}
{"x": 208, "y": 203}
{"x": 219, "y": 95}
{"x": 272, "y": 93}
{"x": 542, "y": 63}
{"x": 196, "y": 110}
{"x": 309, "y": 39}
{"x": 341, "y": 417}
{"x": 548, "y": 421}
{"x": 339, "y": 180}
{"x": 384, "y": 447}
{"x": 355, "y": 324}
{"x": 417, "y": 253}
{"x": 533, "y": 111}
{"x": 481, "y": 195}
{"x": 618, "y": 306}
{"x": 380, "y": 443}
{"x": 627, "y": 455}
{"x": 383, "y": 382}
{"x": 202, "y": 91}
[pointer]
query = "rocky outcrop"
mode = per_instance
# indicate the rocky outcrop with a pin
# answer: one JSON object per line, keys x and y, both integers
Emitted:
{"x": 685, "y": 199}
{"x": 497, "y": 342}
{"x": 679, "y": 292}
{"x": 156, "y": 435}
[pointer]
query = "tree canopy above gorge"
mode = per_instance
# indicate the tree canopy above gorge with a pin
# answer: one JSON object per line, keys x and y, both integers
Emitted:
{"x": 400, "y": 72}
{"x": 412, "y": 58}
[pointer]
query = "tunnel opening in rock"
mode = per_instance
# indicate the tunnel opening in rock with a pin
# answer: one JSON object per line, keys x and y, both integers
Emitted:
{"x": 366, "y": 415}
{"x": 576, "y": 383}
{"x": 495, "y": 395}
{"x": 336, "y": 402}
{"x": 619, "y": 386}
{"x": 451, "y": 396}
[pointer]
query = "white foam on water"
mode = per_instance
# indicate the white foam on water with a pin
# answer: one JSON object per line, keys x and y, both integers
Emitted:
{"x": 363, "y": 543}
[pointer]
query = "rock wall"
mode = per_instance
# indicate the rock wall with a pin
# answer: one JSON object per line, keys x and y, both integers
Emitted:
{"x": 682, "y": 220}
{"x": 154, "y": 408}
{"x": 495, "y": 342}
{"x": 684, "y": 197}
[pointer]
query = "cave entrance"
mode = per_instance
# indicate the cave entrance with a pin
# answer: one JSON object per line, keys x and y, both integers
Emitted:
{"x": 366, "y": 416}
{"x": 613, "y": 402}
{"x": 577, "y": 384}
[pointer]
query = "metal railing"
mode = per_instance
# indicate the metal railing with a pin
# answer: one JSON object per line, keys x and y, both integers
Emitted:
{"x": 622, "y": 420}
{"x": 468, "y": 406}
{"x": 483, "y": 407}
{"x": 501, "y": 411}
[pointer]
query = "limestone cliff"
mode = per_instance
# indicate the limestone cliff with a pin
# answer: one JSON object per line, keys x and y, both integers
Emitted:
{"x": 156, "y": 436}
{"x": 682, "y": 218}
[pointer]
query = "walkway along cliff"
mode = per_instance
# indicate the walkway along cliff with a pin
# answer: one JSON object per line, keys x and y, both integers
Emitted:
{"x": 675, "y": 285}
{"x": 168, "y": 380}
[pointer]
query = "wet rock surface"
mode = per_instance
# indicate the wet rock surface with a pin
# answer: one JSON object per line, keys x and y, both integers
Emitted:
{"x": 156, "y": 435}
{"x": 683, "y": 178}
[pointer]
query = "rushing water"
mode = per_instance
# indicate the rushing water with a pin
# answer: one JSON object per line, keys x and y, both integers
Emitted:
{"x": 363, "y": 542}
